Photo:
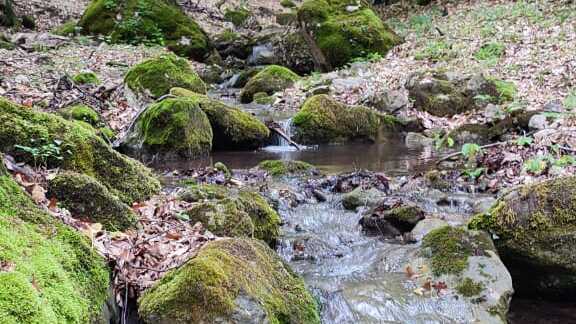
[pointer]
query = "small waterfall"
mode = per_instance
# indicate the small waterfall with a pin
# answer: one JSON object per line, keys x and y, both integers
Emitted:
{"x": 287, "y": 129}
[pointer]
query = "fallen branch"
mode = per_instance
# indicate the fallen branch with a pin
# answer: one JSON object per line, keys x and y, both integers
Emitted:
{"x": 274, "y": 127}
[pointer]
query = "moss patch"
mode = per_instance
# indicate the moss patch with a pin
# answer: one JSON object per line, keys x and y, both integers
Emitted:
{"x": 50, "y": 273}
{"x": 324, "y": 120}
{"x": 237, "y": 16}
{"x": 83, "y": 151}
{"x": 149, "y": 22}
{"x": 82, "y": 113}
{"x": 85, "y": 197}
{"x": 207, "y": 288}
{"x": 342, "y": 35}
{"x": 66, "y": 29}
{"x": 469, "y": 288}
{"x": 272, "y": 79}
{"x": 158, "y": 75}
{"x": 232, "y": 127}
{"x": 86, "y": 78}
{"x": 285, "y": 167}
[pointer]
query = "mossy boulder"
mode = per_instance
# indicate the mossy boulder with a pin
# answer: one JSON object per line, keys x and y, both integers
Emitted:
{"x": 232, "y": 127}
{"x": 81, "y": 151}
{"x": 322, "y": 119}
{"x": 50, "y": 273}
{"x": 86, "y": 78}
{"x": 236, "y": 213}
{"x": 86, "y": 198}
{"x": 536, "y": 229}
{"x": 172, "y": 128}
{"x": 272, "y": 79}
{"x": 446, "y": 94}
{"x": 342, "y": 30}
{"x": 81, "y": 112}
{"x": 230, "y": 280}
{"x": 286, "y": 167}
{"x": 156, "y": 76}
{"x": 149, "y": 22}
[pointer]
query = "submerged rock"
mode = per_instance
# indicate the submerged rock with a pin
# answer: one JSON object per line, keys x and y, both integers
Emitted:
{"x": 50, "y": 273}
{"x": 272, "y": 79}
{"x": 85, "y": 197}
{"x": 322, "y": 119}
{"x": 337, "y": 35}
{"x": 81, "y": 151}
{"x": 172, "y": 128}
{"x": 286, "y": 167}
{"x": 147, "y": 22}
{"x": 155, "y": 77}
{"x": 536, "y": 229}
{"x": 361, "y": 197}
{"x": 230, "y": 281}
{"x": 232, "y": 128}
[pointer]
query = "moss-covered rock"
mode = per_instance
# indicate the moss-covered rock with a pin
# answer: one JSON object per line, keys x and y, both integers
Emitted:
{"x": 148, "y": 22}
{"x": 157, "y": 76}
{"x": 172, "y": 128}
{"x": 50, "y": 273}
{"x": 237, "y": 16}
{"x": 227, "y": 212}
{"x": 85, "y": 197}
{"x": 286, "y": 167}
{"x": 536, "y": 228}
{"x": 361, "y": 197}
{"x": 81, "y": 151}
{"x": 272, "y": 79}
{"x": 230, "y": 280}
{"x": 391, "y": 222}
{"x": 343, "y": 30}
{"x": 322, "y": 119}
{"x": 86, "y": 78}
{"x": 81, "y": 112}
{"x": 262, "y": 98}
{"x": 66, "y": 29}
{"x": 232, "y": 127}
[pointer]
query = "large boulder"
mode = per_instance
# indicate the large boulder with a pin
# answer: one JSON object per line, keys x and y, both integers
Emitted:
{"x": 340, "y": 30}
{"x": 447, "y": 94}
{"x": 49, "y": 272}
{"x": 272, "y": 79}
{"x": 159, "y": 22}
{"x": 172, "y": 128}
{"x": 230, "y": 281}
{"x": 227, "y": 212}
{"x": 155, "y": 77}
{"x": 232, "y": 127}
{"x": 463, "y": 265}
{"x": 322, "y": 119}
{"x": 80, "y": 149}
{"x": 536, "y": 230}
{"x": 87, "y": 198}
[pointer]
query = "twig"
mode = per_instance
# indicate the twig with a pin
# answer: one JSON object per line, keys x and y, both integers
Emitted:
{"x": 449, "y": 156}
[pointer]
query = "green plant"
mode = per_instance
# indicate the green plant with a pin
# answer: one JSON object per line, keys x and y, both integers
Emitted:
{"x": 570, "y": 100}
{"x": 524, "y": 141}
{"x": 371, "y": 57}
{"x": 470, "y": 151}
{"x": 421, "y": 23}
{"x": 565, "y": 160}
{"x": 44, "y": 154}
{"x": 435, "y": 51}
{"x": 110, "y": 4}
{"x": 490, "y": 52}
{"x": 473, "y": 173}
{"x": 536, "y": 165}
{"x": 443, "y": 141}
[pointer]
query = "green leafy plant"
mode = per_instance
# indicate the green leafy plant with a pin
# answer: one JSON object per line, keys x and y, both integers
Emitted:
{"x": 470, "y": 151}
{"x": 490, "y": 52}
{"x": 565, "y": 161}
{"x": 524, "y": 141}
{"x": 421, "y": 23}
{"x": 473, "y": 173}
{"x": 435, "y": 51}
{"x": 536, "y": 165}
{"x": 443, "y": 141}
{"x": 371, "y": 57}
{"x": 44, "y": 154}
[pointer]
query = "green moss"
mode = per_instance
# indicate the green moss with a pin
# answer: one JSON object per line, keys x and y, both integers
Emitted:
{"x": 262, "y": 98}
{"x": 435, "y": 180}
{"x": 81, "y": 112}
{"x": 50, "y": 272}
{"x": 506, "y": 89}
{"x": 342, "y": 35}
{"x": 324, "y": 120}
{"x": 224, "y": 169}
{"x": 86, "y": 78}
{"x": 148, "y": 22}
{"x": 223, "y": 218}
{"x": 450, "y": 248}
{"x": 246, "y": 75}
{"x": 266, "y": 220}
{"x": 272, "y": 79}
{"x": 173, "y": 127}
{"x": 237, "y": 16}
{"x": 195, "y": 192}
{"x": 469, "y": 288}
{"x": 232, "y": 127}
{"x": 66, "y": 29}
{"x": 85, "y": 197}
{"x": 287, "y": 4}
{"x": 490, "y": 52}
{"x": 285, "y": 167}
{"x": 83, "y": 151}
{"x": 207, "y": 287}
{"x": 158, "y": 75}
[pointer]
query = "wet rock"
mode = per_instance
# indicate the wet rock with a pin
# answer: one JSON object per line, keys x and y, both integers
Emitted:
{"x": 232, "y": 281}
{"x": 322, "y": 119}
{"x": 177, "y": 31}
{"x": 390, "y": 221}
{"x": 464, "y": 264}
{"x": 337, "y": 36}
{"x": 83, "y": 151}
{"x": 270, "y": 80}
{"x": 536, "y": 231}
{"x": 155, "y": 77}
{"x": 261, "y": 55}
{"x": 426, "y": 226}
{"x": 172, "y": 128}
{"x": 229, "y": 43}
{"x": 361, "y": 197}
{"x": 85, "y": 197}
{"x": 418, "y": 140}
{"x": 232, "y": 128}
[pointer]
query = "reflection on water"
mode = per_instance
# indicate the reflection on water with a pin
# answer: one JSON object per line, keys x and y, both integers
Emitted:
{"x": 394, "y": 157}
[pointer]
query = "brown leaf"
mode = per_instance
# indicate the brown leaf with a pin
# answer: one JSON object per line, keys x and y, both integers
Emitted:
{"x": 409, "y": 272}
{"x": 53, "y": 204}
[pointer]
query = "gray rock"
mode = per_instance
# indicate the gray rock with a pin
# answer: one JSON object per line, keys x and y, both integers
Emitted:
{"x": 482, "y": 205}
{"x": 36, "y": 41}
{"x": 261, "y": 55}
{"x": 493, "y": 112}
{"x": 387, "y": 101}
{"x": 538, "y": 122}
{"x": 362, "y": 197}
{"x": 554, "y": 106}
{"x": 425, "y": 226}
{"x": 415, "y": 140}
